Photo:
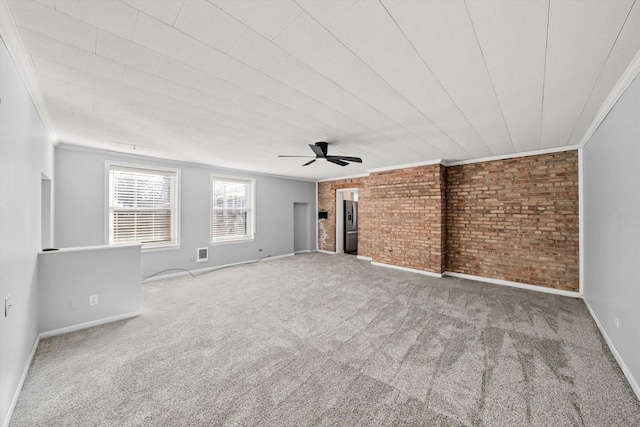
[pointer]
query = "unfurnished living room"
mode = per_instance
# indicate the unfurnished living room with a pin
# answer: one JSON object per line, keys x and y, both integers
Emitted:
{"x": 319, "y": 212}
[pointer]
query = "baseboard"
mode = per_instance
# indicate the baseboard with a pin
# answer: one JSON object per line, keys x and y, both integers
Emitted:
{"x": 86, "y": 325}
{"x": 625, "y": 370}
{"x": 410, "y": 270}
{"x": 326, "y": 252}
{"x": 208, "y": 269}
{"x": 364, "y": 258}
{"x": 303, "y": 251}
{"x": 16, "y": 395}
{"x": 514, "y": 284}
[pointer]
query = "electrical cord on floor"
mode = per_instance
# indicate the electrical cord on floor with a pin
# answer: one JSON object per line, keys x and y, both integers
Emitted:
{"x": 169, "y": 269}
{"x": 205, "y": 272}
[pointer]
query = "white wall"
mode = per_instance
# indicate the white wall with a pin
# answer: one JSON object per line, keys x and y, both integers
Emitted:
{"x": 68, "y": 277}
{"x": 611, "y": 162}
{"x": 80, "y": 210}
{"x": 25, "y": 154}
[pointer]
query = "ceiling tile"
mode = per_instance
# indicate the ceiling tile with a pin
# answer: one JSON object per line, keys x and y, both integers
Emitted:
{"x": 45, "y": 67}
{"x": 265, "y": 18}
{"x": 258, "y": 52}
{"x": 164, "y": 39}
{"x": 325, "y": 11}
{"x": 42, "y": 46}
{"x": 443, "y": 36}
{"x": 207, "y": 23}
{"x": 253, "y": 80}
{"x": 515, "y": 56}
{"x": 51, "y": 23}
{"x": 126, "y": 52}
{"x": 112, "y": 16}
{"x": 214, "y": 62}
{"x": 178, "y": 72}
{"x": 91, "y": 63}
{"x": 368, "y": 30}
{"x": 332, "y": 59}
{"x": 581, "y": 35}
{"x": 163, "y": 10}
{"x": 621, "y": 56}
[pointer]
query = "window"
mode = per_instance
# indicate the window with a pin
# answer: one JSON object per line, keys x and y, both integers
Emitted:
{"x": 232, "y": 209}
{"x": 143, "y": 206}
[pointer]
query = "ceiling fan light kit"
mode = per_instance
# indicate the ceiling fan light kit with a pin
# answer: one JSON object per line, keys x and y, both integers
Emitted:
{"x": 320, "y": 150}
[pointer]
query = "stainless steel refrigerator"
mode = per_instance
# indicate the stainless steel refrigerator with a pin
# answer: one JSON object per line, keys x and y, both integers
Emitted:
{"x": 350, "y": 227}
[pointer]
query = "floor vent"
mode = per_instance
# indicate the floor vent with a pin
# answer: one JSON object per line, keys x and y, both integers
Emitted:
{"x": 202, "y": 255}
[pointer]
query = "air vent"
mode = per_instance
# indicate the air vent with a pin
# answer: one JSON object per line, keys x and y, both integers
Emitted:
{"x": 202, "y": 254}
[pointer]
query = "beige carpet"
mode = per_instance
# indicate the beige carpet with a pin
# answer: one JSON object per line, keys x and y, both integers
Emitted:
{"x": 329, "y": 340}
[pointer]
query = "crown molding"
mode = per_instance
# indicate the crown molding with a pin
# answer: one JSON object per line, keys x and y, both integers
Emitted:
{"x": 13, "y": 42}
{"x": 513, "y": 155}
{"x": 618, "y": 89}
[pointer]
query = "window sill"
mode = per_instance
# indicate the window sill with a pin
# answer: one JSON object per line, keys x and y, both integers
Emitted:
{"x": 232, "y": 241}
{"x": 160, "y": 248}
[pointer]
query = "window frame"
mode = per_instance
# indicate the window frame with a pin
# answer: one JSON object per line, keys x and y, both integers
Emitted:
{"x": 174, "y": 243}
{"x": 251, "y": 216}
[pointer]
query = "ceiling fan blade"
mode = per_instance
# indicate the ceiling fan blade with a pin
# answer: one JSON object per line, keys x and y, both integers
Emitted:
{"x": 318, "y": 150}
{"x": 309, "y": 162}
{"x": 346, "y": 158}
{"x": 337, "y": 162}
{"x": 281, "y": 155}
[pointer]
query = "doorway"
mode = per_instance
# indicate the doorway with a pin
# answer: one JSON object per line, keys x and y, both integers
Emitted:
{"x": 343, "y": 194}
{"x": 45, "y": 211}
{"x": 301, "y": 228}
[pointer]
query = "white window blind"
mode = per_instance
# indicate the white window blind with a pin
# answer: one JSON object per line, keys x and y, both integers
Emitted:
{"x": 232, "y": 209}
{"x": 142, "y": 206}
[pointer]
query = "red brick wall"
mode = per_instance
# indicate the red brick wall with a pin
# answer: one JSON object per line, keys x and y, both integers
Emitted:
{"x": 516, "y": 220}
{"x": 402, "y": 221}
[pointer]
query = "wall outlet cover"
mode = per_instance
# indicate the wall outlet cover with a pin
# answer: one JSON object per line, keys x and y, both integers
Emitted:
{"x": 93, "y": 300}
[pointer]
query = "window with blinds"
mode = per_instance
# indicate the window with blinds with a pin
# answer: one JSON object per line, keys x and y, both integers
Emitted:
{"x": 232, "y": 209}
{"x": 143, "y": 206}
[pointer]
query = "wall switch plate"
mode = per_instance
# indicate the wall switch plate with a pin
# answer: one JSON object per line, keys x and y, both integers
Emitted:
{"x": 7, "y": 305}
{"x": 93, "y": 300}
{"x": 617, "y": 322}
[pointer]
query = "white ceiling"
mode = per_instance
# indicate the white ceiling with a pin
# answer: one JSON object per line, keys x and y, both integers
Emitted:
{"x": 236, "y": 82}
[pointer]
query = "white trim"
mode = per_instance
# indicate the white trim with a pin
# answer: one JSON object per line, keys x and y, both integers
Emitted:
{"x": 16, "y": 395}
{"x": 513, "y": 155}
{"x": 364, "y": 258}
{"x": 15, "y": 47}
{"x": 362, "y": 175}
{"x": 406, "y": 165}
{"x": 340, "y": 216}
{"x": 322, "y": 251}
{"x": 411, "y": 270}
{"x": 581, "y": 220}
{"x": 625, "y": 370}
{"x": 514, "y": 284}
{"x": 208, "y": 269}
{"x": 303, "y": 251}
{"x": 176, "y": 208}
{"x": 618, "y": 89}
{"x": 91, "y": 324}
{"x": 252, "y": 209}
{"x": 89, "y": 248}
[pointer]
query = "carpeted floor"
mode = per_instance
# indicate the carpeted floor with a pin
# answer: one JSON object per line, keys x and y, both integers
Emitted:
{"x": 328, "y": 340}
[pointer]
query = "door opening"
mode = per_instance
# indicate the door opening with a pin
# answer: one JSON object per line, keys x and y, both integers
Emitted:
{"x": 301, "y": 228}
{"x": 45, "y": 212}
{"x": 347, "y": 221}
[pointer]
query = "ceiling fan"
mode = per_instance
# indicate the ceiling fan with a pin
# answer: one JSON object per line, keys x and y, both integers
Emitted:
{"x": 320, "y": 150}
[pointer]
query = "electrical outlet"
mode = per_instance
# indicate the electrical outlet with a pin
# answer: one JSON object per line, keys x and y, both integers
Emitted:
{"x": 93, "y": 300}
{"x": 7, "y": 305}
{"x": 617, "y": 322}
